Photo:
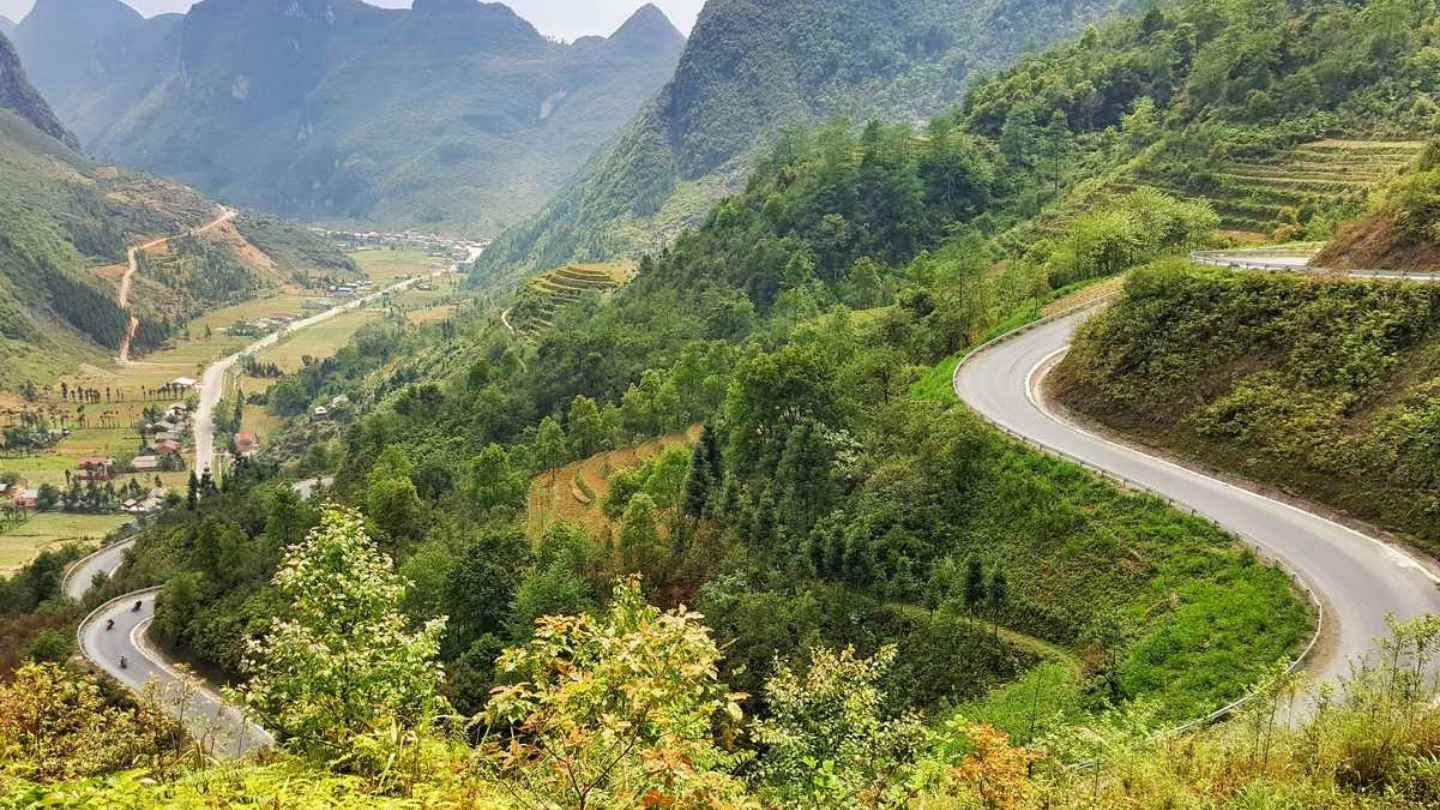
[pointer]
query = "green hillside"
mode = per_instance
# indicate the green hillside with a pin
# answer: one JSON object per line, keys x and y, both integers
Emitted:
{"x": 66, "y": 225}
{"x": 1399, "y": 229}
{"x": 750, "y": 70}
{"x": 543, "y": 296}
{"x": 837, "y": 587}
{"x": 455, "y": 115}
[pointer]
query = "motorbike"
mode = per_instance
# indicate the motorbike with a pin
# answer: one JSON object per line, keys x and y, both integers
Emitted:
{"x": 136, "y": 609}
{"x": 110, "y": 624}
{"x": 124, "y": 662}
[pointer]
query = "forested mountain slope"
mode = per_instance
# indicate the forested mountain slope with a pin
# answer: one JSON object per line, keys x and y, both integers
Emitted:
{"x": 454, "y": 115}
{"x": 65, "y": 226}
{"x": 1283, "y": 115}
{"x": 750, "y": 70}
{"x": 19, "y": 97}
{"x": 889, "y": 586}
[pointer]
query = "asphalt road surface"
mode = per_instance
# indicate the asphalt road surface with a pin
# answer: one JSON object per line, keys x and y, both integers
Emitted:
{"x": 1360, "y": 580}
{"x": 202, "y": 711}
{"x": 105, "y": 561}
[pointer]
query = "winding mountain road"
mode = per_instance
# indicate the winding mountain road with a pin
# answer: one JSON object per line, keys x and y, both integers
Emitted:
{"x": 203, "y": 711}
{"x": 198, "y": 707}
{"x": 133, "y": 266}
{"x": 1359, "y": 580}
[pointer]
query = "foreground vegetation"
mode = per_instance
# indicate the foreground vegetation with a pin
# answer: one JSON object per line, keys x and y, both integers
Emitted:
{"x": 627, "y": 707}
{"x": 893, "y": 593}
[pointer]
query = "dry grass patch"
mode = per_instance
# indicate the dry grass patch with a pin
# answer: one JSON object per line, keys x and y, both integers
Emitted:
{"x": 568, "y": 502}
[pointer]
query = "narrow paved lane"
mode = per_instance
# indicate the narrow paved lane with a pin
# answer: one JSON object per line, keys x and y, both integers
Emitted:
{"x": 212, "y": 382}
{"x": 202, "y": 711}
{"x": 1360, "y": 580}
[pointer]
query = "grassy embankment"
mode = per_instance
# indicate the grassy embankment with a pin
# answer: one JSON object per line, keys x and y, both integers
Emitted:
{"x": 1324, "y": 388}
{"x": 1230, "y": 615}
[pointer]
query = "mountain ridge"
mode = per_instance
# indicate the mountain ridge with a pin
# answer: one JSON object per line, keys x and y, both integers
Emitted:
{"x": 66, "y": 224}
{"x": 18, "y": 95}
{"x": 749, "y": 70}
{"x": 455, "y": 115}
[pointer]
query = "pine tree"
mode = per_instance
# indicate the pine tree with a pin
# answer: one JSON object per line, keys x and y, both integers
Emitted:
{"x": 698, "y": 483}
{"x": 999, "y": 596}
{"x": 712, "y": 454}
{"x": 974, "y": 584}
{"x": 192, "y": 493}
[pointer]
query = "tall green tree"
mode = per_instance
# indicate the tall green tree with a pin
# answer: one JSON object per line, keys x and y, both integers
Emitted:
{"x": 587, "y": 429}
{"x": 641, "y": 549}
{"x": 343, "y": 661}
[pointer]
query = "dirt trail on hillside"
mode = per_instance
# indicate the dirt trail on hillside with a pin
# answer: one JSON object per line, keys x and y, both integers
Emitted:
{"x": 133, "y": 265}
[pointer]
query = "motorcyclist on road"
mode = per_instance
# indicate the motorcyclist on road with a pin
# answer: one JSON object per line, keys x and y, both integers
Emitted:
{"x": 110, "y": 624}
{"x": 136, "y": 609}
{"x": 124, "y": 662}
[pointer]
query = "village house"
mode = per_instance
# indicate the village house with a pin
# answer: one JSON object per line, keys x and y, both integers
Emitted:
{"x": 26, "y": 498}
{"x": 145, "y": 464}
{"x": 167, "y": 447}
{"x": 246, "y": 444}
{"x": 96, "y": 469}
{"x": 321, "y": 414}
{"x": 148, "y": 505}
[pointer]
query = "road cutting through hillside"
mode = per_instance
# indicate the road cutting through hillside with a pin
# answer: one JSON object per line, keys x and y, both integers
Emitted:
{"x": 227, "y": 732}
{"x": 133, "y": 265}
{"x": 1360, "y": 581}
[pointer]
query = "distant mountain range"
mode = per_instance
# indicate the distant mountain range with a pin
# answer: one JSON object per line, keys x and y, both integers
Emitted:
{"x": 754, "y": 67}
{"x": 455, "y": 115}
{"x": 7, "y": 26}
{"x": 66, "y": 224}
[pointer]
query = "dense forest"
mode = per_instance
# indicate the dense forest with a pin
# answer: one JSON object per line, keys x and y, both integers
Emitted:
{"x": 845, "y": 590}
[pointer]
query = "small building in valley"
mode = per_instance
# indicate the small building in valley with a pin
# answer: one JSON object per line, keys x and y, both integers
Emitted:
{"x": 246, "y": 444}
{"x": 97, "y": 469}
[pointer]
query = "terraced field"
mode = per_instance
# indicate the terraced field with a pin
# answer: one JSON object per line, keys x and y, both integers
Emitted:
{"x": 1257, "y": 196}
{"x": 546, "y": 294}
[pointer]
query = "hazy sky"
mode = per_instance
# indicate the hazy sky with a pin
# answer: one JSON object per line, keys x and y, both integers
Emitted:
{"x": 566, "y": 19}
